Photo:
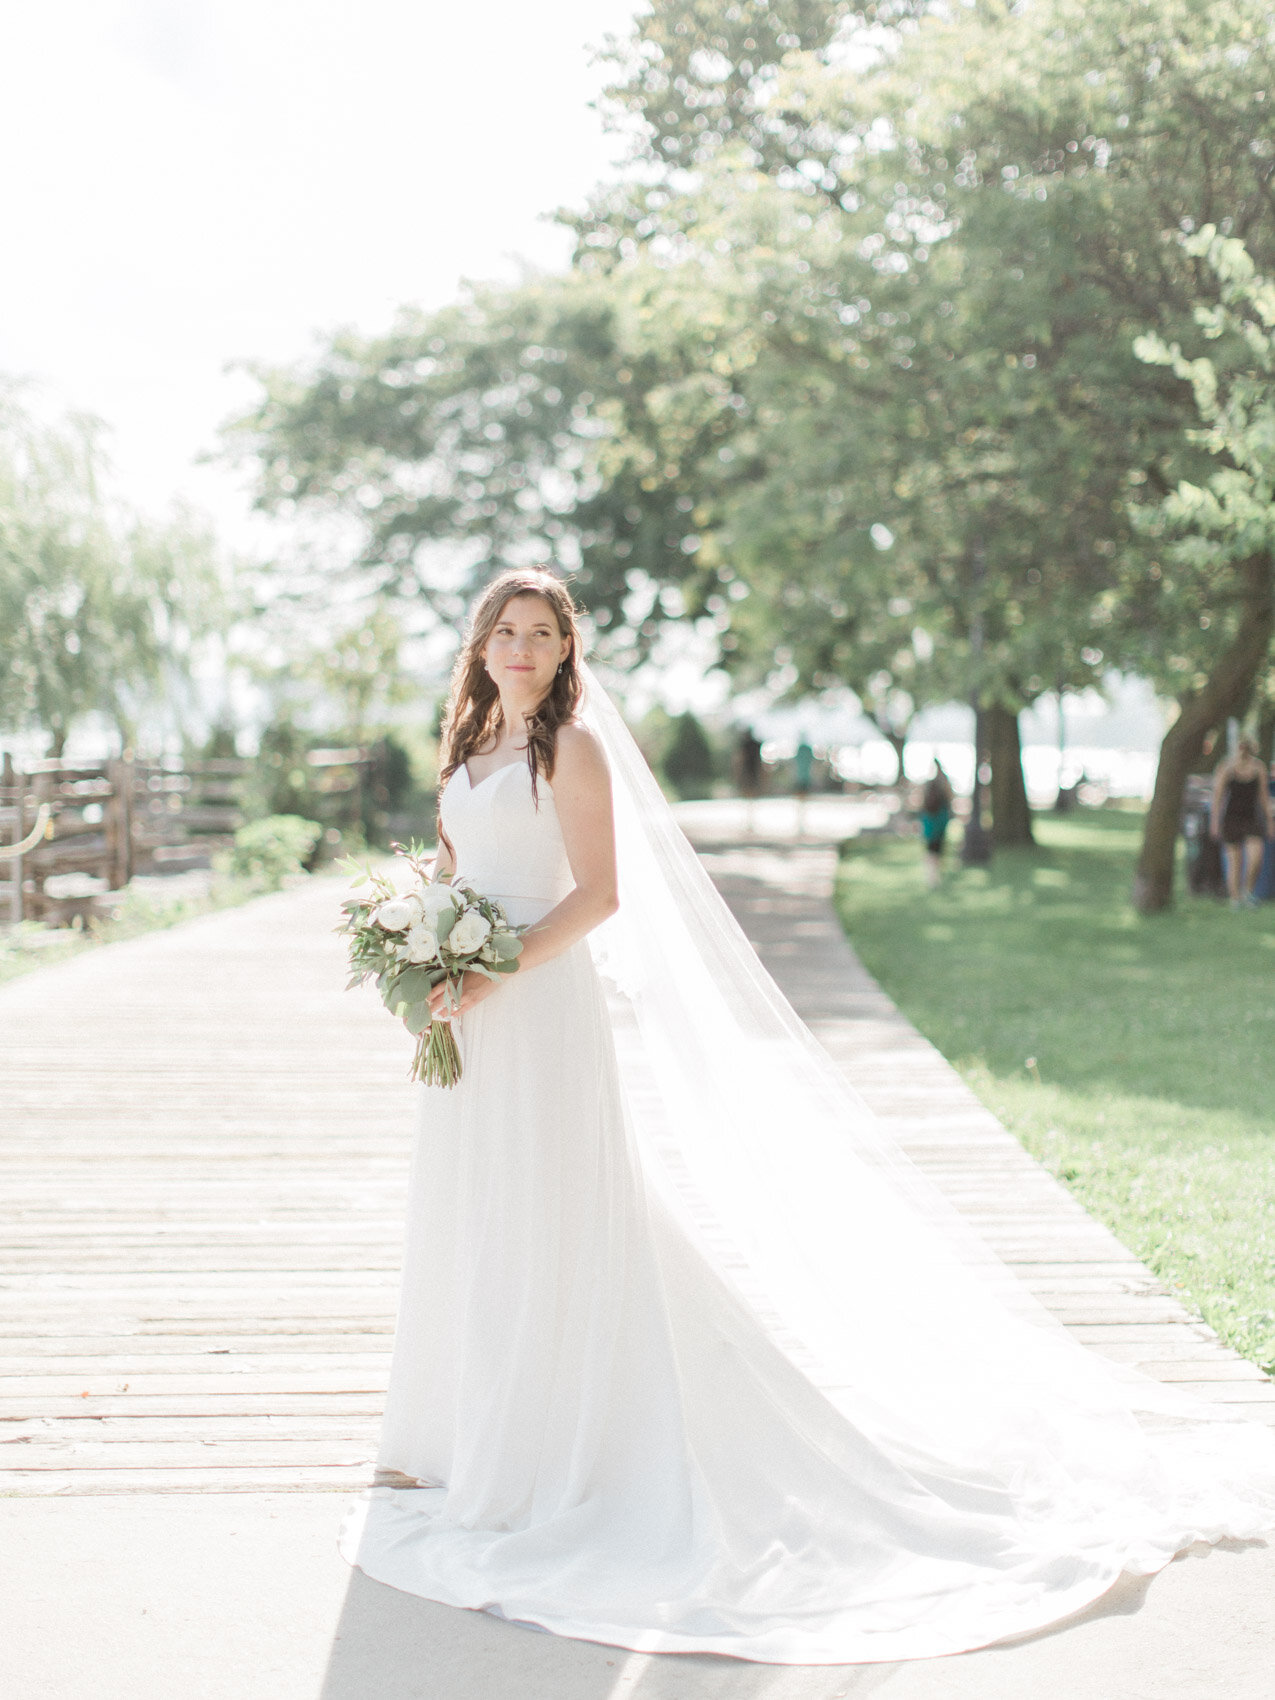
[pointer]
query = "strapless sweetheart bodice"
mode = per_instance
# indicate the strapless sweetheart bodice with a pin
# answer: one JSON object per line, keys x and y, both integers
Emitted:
{"x": 508, "y": 843}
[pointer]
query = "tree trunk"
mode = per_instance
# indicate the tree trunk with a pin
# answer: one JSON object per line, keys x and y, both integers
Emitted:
{"x": 1266, "y": 735}
{"x": 898, "y": 743}
{"x": 1225, "y": 692}
{"x": 1011, "y": 813}
{"x": 1066, "y": 798}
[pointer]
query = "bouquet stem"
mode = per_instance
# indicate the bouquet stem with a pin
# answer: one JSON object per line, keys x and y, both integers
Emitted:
{"x": 437, "y": 1059}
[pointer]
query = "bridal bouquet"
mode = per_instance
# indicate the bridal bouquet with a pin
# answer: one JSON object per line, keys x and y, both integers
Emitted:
{"x": 411, "y": 941}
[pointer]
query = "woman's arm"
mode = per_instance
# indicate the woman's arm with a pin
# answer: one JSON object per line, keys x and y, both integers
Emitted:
{"x": 1220, "y": 781}
{"x": 444, "y": 861}
{"x": 1264, "y": 798}
{"x": 582, "y": 796}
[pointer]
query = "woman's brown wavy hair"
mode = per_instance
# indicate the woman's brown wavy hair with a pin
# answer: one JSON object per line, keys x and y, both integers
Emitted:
{"x": 473, "y": 714}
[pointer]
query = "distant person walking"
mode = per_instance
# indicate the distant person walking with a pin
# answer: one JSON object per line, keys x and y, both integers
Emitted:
{"x": 748, "y": 772}
{"x": 936, "y": 814}
{"x": 1241, "y": 821}
{"x": 803, "y": 770}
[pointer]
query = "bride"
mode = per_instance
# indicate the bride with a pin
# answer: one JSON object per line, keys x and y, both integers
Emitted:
{"x": 688, "y": 1358}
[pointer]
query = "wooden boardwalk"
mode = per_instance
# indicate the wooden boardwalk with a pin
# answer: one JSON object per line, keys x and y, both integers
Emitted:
{"x": 204, "y": 1155}
{"x": 203, "y": 1160}
{"x": 1073, "y": 1264}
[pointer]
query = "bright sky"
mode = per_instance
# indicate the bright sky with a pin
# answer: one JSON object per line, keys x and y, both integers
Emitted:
{"x": 188, "y": 183}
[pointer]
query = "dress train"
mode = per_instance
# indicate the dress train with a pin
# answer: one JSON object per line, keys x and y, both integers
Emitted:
{"x": 636, "y": 1426}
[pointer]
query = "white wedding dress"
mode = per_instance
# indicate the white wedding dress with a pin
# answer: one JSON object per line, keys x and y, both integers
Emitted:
{"x": 676, "y": 1378}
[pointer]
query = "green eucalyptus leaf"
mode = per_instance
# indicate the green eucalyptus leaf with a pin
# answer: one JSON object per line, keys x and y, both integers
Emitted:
{"x": 413, "y": 985}
{"x": 415, "y": 1017}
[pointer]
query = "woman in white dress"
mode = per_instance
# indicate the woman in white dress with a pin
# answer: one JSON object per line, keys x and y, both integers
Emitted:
{"x": 687, "y": 1359}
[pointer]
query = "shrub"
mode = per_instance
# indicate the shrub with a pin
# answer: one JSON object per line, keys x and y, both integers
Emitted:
{"x": 275, "y": 847}
{"x": 279, "y": 782}
{"x": 688, "y": 758}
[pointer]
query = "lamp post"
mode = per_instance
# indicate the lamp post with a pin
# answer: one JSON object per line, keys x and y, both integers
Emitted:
{"x": 976, "y": 846}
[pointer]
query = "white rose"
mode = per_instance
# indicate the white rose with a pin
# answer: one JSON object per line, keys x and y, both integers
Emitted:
{"x": 421, "y": 942}
{"x": 434, "y": 899}
{"x": 395, "y": 914}
{"x": 468, "y": 933}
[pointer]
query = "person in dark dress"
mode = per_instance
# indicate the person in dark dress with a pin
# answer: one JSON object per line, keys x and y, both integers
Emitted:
{"x": 749, "y": 773}
{"x": 936, "y": 814}
{"x": 1241, "y": 821}
{"x": 748, "y": 764}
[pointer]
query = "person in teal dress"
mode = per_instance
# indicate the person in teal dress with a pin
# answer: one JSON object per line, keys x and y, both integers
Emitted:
{"x": 936, "y": 815}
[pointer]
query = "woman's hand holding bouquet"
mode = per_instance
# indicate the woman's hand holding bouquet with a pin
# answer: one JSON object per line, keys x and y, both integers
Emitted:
{"x": 418, "y": 945}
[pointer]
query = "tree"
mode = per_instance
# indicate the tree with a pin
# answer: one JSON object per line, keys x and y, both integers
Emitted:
{"x": 1216, "y": 539}
{"x": 864, "y": 286}
{"x": 1038, "y": 156}
{"x": 344, "y": 677}
{"x": 51, "y": 550}
{"x": 557, "y": 422}
{"x": 1107, "y": 130}
{"x": 703, "y": 75}
{"x": 871, "y": 329}
{"x": 907, "y": 526}
{"x": 688, "y": 758}
{"x": 99, "y": 611}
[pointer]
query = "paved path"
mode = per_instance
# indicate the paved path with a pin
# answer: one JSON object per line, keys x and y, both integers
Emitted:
{"x": 203, "y": 1158}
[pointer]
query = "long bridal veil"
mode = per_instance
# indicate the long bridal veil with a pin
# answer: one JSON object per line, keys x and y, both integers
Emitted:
{"x": 853, "y": 1263}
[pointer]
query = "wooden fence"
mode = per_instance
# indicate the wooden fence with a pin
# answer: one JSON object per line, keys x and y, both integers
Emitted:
{"x": 110, "y": 820}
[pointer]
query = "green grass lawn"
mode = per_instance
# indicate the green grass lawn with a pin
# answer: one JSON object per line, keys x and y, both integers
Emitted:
{"x": 1135, "y": 1057}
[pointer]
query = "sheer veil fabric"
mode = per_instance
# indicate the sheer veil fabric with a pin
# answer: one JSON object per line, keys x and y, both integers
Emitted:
{"x": 689, "y": 1357}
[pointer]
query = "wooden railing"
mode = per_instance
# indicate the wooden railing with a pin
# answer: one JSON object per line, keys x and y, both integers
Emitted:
{"x": 110, "y": 820}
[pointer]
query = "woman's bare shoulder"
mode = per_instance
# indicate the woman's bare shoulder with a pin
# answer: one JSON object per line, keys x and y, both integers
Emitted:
{"x": 579, "y": 755}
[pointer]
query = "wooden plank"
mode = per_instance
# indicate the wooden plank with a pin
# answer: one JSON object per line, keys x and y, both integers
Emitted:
{"x": 40, "y": 1435}
{"x": 278, "y": 1451}
{"x": 1101, "y": 1333}
{"x": 209, "y": 1477}
{"x": 201, "y": 1403}
{"x": 266, "y": 1378}
{"x": 1198, "y": 1370}
{"x": 1231, "y": 1392}
{"x": 247, "y": 1335}
{"x": 1167, "y": 1352}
